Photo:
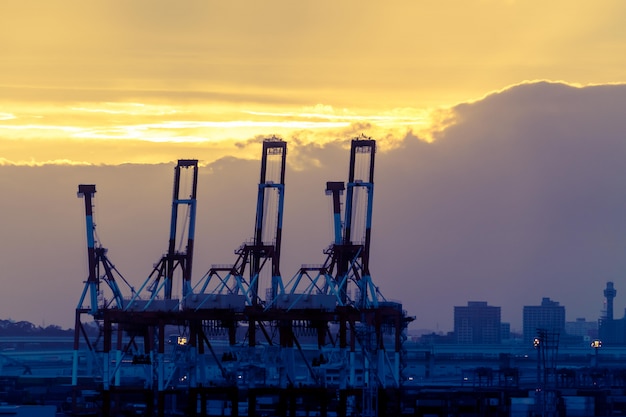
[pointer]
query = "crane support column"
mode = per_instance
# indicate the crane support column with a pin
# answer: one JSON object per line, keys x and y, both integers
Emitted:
{"x": 160, "y": 281}
{"x": 269, "y": 215}
{"x": 361, "y": 177}
{"x": 185, "y": 258}
{"x": 335, "y": 189}
{"x": 87, "y": 191}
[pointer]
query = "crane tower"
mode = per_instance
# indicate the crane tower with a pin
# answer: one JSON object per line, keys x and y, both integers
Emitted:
{"x": 159, "y": 283}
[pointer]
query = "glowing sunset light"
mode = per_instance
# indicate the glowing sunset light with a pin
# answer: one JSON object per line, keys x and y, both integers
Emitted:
{"x": 32, "y": 130}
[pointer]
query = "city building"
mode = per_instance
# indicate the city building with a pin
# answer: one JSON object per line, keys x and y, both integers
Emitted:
{"x": 587, "y": 330}
{"x": 505, "y": 331}
{"x": 549, "y": 316}
{"x": 477, "y": 323}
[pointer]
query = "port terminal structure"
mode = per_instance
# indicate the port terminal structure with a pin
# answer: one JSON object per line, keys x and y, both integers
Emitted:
{"x": 325, "y": 341}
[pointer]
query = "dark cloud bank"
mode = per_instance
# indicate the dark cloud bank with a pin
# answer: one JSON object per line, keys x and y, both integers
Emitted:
{"x": 523, "y": 198}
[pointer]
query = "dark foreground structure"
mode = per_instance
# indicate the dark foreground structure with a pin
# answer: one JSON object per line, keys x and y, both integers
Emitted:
{"x": 431, "y": 400}
{"x": 439, "y": 380}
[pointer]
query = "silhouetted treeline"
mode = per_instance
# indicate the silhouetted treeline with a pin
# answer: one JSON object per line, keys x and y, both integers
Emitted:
{"x": 26, "y": 328}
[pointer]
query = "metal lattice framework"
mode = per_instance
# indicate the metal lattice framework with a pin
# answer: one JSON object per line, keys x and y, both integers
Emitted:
{"x": 237, "y": 285}
{"x": 347, "y": 261}
{"x": 328, "y": 331}
{"x": 95, "y": 298}
{"x": 159, "y": 284}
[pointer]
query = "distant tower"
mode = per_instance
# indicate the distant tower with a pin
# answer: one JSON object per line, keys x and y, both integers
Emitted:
{"x": 609, "y": 293}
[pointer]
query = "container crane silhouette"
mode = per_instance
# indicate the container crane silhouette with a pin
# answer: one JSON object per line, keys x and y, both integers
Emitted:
{"x": 237, "y": 285}
{"x": 94, "y": 300}
{"x": 358, "y": 357}
{"x": 159, "y": 284}
{"x": 347, "y": 260}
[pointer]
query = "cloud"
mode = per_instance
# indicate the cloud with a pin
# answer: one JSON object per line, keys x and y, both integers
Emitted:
{"x": 119, "y": 132}
{"x": 520, "y": 196}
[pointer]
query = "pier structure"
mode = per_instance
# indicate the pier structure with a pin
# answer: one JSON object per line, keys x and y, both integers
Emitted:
{"x": 326, "y": 340}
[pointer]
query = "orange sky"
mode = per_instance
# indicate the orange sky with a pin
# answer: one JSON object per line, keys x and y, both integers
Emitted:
{"x": 114, "y": 81}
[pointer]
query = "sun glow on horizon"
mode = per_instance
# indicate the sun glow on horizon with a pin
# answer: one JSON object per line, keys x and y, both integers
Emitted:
{"x": 112, "y": 133}
{"x": 57, "y": 135}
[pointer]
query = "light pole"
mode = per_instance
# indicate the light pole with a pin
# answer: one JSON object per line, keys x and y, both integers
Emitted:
{"x": 596, "y": 345}
{"x": 537, "y": 344}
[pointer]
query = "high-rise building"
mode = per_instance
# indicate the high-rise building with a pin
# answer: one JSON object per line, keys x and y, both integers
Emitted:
{"x": 477, "y": 323}
{"x": 549, "y": 316}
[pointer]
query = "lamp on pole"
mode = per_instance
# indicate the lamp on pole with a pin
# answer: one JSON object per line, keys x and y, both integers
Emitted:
{"x": 596, "y": 345}
{"x": 537, "y": 346}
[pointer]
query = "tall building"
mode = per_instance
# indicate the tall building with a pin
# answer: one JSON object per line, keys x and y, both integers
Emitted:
{"x": 549, "y": 316}
{"x": 477, "y": 323}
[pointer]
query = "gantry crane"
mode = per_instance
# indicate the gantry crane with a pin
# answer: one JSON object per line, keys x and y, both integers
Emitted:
{"x": 94, "y": 300}
{"x": 359, "y": 334}
{"x": 235, "y": 286}
{"x": 159, "y": 283}
{"x": 347, "y": 261}
{"x": 134, "y": 337}
{"x": 350, "y": 258}
{"x": 100, "y": 268}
